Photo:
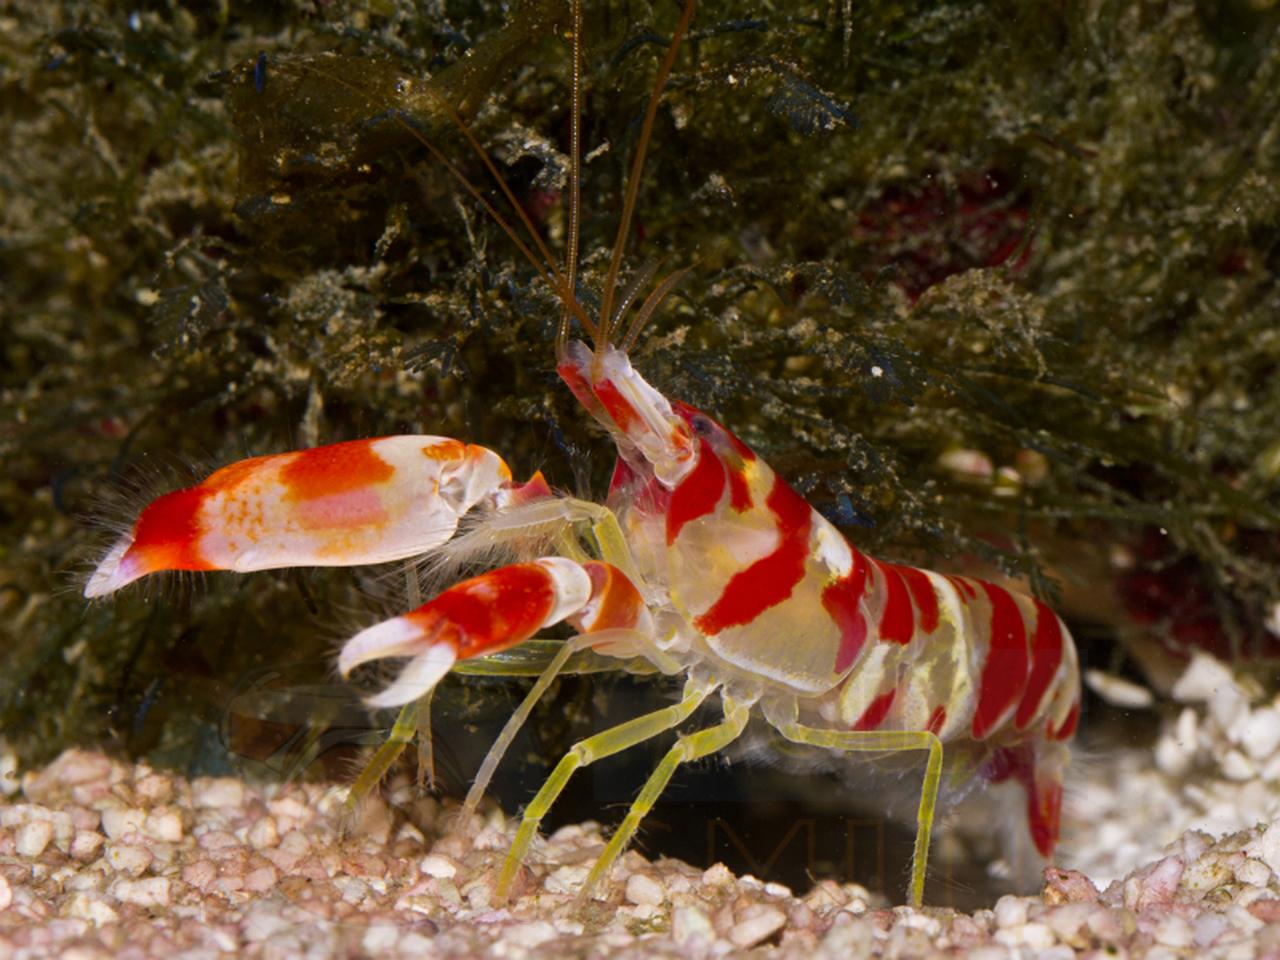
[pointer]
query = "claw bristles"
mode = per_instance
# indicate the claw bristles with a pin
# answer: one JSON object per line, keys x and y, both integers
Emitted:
{"x": 483, "y": 542}
{"x": 101, "y": 569}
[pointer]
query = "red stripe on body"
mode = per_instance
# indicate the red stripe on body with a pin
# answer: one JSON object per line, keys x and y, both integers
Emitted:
{"x": 876, "y": 711}
{"x": 896, "y": 625}
{"x": 617, "y": 406}
{"x": 489, "y": 612}
{"x": 167, "y": 533}
{"x": 697, "y": 494}
{"x": 337, "y": 468}
{"x": 1044, "y": 797}
{"x": 842, "y": 601}
{"x": 580, "y": 386}
{"x": 623, "y": 476}
{"x": 739, "y": 492}
{"x": 936, "y": 721}
{"x": 770, "y": 580}
{"x": 923, "y": 594}
{"x": 646, "y": 496}
{"x": 1046, "y": 655}
{"x": 1068, "y": 728}
{"x": 1044, "y": 816}
{"x": 1005, "y": 672}
{"x": 963, "y": 587}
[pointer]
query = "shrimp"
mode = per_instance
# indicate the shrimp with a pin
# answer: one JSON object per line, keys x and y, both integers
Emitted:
{"x": 702, "y": 563}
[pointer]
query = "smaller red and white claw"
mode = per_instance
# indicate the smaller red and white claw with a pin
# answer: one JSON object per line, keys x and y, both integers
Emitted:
{"x": 489, "y": 613}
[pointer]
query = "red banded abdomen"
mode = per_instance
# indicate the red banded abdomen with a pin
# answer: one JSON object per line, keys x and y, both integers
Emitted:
{"x": 979, "y": 664}
{"x": 965, "y": 658}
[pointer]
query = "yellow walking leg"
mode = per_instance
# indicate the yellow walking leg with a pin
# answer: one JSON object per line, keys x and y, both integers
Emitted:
{"x": 583, "y": 753}
{"x": 426, "y": 745}
{"x": 689, "y": 747}
{"x": 402, "y": 731}
{"x": 516, "y": 721}
{"x": 889, "y": 741}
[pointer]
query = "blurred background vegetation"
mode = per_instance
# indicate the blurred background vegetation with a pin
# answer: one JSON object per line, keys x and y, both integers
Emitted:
{"x": 993, "y": 283}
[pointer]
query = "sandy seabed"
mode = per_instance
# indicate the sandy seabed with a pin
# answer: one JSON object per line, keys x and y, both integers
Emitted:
{"x": 100, "y": 858}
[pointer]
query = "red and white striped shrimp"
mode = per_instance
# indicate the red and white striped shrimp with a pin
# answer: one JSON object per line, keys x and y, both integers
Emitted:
{"x": 702, "y": 562}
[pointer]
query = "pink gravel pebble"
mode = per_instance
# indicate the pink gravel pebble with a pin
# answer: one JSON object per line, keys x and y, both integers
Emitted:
{"x": 261, "y": 880}
{"x": 1267, "y": 910}
{"x": 200, "y": 874}
{"x": 1155, "y": 885}
{"x": 72, "y": 768}
{"x": 1068, "y": 886}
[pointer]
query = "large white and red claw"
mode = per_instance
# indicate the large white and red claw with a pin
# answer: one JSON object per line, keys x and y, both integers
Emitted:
{"x": 364, "y": 501}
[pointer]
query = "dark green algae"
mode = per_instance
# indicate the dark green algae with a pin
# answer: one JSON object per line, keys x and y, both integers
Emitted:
{"x": 1039, "y": 233}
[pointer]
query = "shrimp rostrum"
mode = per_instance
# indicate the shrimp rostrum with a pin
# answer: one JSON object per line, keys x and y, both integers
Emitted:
{"x": 702, "y": 563}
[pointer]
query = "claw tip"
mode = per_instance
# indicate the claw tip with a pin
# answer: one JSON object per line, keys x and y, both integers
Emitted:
{"x": 419, "y": 676}
{"x": 114, "y": 571}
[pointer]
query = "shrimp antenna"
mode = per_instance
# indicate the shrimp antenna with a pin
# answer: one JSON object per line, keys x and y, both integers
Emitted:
{"x": 575, "y": 189}
{"x": 546, "y": 267}
{"x": 543, "y": 263}
{"x": 633, "y": 179}
{"x": 651, "y": 303}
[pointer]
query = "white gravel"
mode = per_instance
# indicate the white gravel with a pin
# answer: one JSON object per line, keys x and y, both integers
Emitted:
{"x": 1215, "y": 769}
{"x": 103, "y": 859}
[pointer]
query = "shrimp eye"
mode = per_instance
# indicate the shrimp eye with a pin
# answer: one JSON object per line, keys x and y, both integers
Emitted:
{"x": 701, "y": 425}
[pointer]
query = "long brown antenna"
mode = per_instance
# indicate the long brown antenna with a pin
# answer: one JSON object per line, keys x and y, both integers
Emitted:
{"x": 544, "y": 264}
{"x": 570, "y": 294}
{"x": 501, "y": 181}
{"x": 632, "y": 290}
{"x": 633, "y": 179}
{"x": 552, "y": 279}
{"x": 651, "y": 303}
{"x": 546, "y": 267}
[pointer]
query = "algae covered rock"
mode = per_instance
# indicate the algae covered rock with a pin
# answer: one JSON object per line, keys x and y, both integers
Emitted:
{"x": 994, "y": 284}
